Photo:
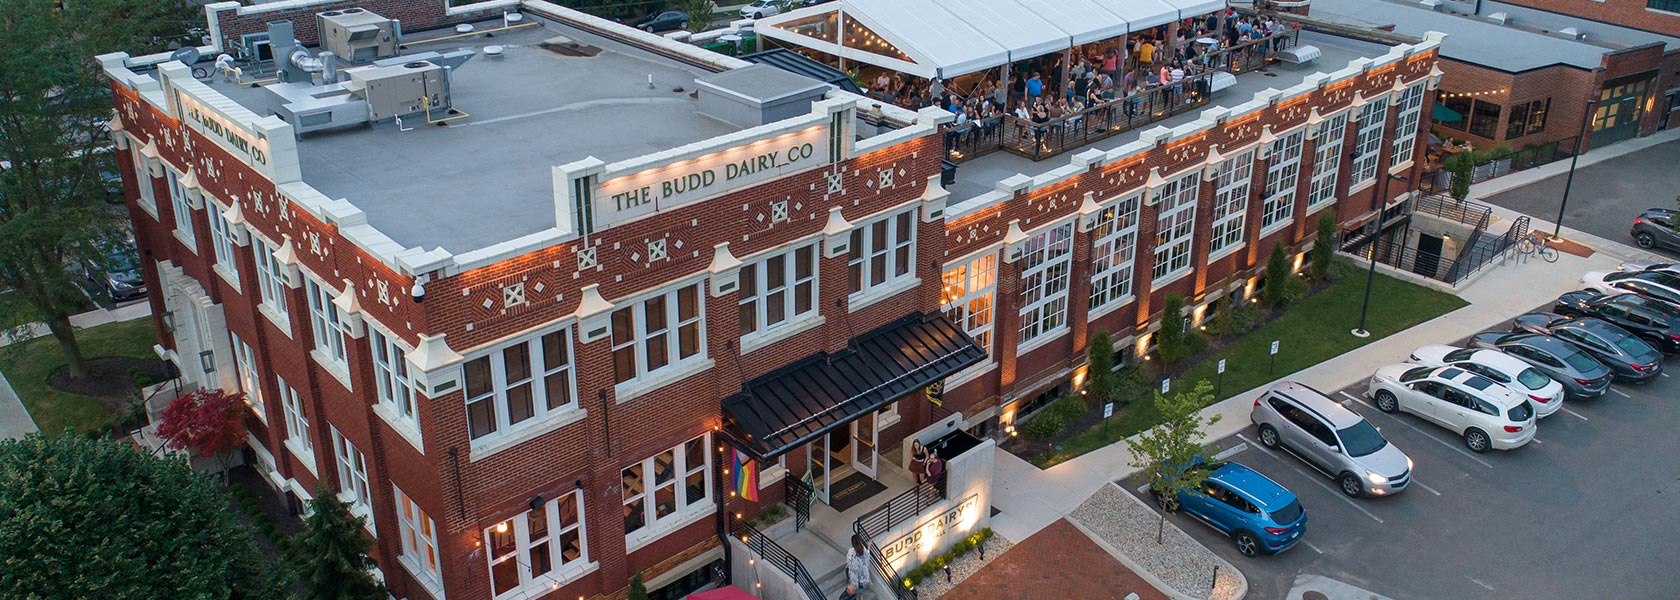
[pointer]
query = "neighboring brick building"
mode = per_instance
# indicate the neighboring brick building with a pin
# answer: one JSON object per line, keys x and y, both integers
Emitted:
{"x": 1655, "y": 16}
{"x": 521, "y": 325}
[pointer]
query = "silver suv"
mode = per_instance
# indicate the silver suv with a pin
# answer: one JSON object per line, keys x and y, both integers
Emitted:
{"x": 1336, "y": 441}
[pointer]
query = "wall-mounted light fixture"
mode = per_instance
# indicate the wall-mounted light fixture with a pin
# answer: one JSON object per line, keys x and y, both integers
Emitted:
{"x": 207, "y": 360}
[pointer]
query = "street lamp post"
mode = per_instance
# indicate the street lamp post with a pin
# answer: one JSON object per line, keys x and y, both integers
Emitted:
{"x": 1580, "y": 139}
{"x": 1371, "y": 274}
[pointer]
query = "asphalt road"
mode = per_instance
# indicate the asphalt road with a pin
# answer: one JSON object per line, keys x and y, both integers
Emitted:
{"x": 1605, "y": 197}
{"x": 1590, "y": 509}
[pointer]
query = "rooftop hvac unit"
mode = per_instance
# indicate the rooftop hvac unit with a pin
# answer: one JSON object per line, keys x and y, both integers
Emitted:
{"x": 356, "y": 35}
{"x": 1500, "y": 18}
{"x": 400, "y": 90}
{"x": 1431, "y": 4}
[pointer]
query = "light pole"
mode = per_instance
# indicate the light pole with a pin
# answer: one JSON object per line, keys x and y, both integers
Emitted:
{"x": 1580, "y": 140}
{"x": 1371, "y": 275}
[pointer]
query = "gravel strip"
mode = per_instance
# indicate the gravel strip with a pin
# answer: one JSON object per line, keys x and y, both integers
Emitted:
{"x": 969, "y": 564}
{"x": 1179, "y": 561}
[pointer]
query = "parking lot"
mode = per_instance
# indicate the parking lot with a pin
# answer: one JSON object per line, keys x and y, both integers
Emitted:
{"x": 1606, "y": 196}
{"x": 1590, "y": 509}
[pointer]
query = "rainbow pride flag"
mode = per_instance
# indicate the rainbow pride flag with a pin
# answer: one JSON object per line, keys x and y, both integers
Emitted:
{"x": 746, "y": 476}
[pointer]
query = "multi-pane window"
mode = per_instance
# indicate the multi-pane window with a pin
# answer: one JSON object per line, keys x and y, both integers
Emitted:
{"x": 1282, "y": 173}
{"x": 223, "y": 242}
{"x": 1368, "y": 141}
{"x": 391, "y": 378}
{"x": 143, "y": 179}
{"x": 1114, "y": 247}
{"x": 183, "y": 209}
{"x": 881, "y": 251}
{"x": 1046, "y": 259}
{"x": 297, "y": 423}
{"x": 245, "y": 368}
{"x": 1527, "y": 118}
{"x": 330, "y": 332}
{"x": 778, "y": 290}
{"x": 520, "y": 384}
{"x": 1327, "y": 159}
{"x": 271, "y": 279}
{"x": 666, "y": 488}
{"x": 1672, "y": 6}
{"x": 969, "y": 296}
{"x": 1406, "y": 123}
{"x": 539, "y": 547}
{"x": 352, "y": 472}
{"x": 1231, "y": 182}
{"x": 419, "y": 540}
{"x": 1175, "y": 225}
{"x": 658, "y": 333}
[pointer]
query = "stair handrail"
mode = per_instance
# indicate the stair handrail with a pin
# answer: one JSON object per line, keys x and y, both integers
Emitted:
{"x": 776, "y": 555}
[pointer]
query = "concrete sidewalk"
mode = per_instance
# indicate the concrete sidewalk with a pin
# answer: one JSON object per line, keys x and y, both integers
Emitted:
{"x": 1031, "y": 499}
{"x": 15, "y": 421}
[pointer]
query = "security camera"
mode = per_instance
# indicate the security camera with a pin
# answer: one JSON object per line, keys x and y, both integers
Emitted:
{"x": 418, "y": 292}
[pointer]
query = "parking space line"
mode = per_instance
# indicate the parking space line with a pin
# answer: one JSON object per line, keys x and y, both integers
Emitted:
{"x": 1453, "y": 447}
{"x": 1479, "y": 582}
{"x": 1573, "y": 413}
{"x": 1620, "y": 393}
{"x": 1537, "y": 440}
{"x": 1317, "y": 478}
{"x": 1314, "y": 548}
{"x": 1421, "y": 485}
{"x": 1663, "y": 374}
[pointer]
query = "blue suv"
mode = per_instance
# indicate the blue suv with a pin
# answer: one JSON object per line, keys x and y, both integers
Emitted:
{"x": 1260, "y": 516}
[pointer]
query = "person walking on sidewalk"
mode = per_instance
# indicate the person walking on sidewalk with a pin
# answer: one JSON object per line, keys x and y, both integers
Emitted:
{"x": 857, "y": 571}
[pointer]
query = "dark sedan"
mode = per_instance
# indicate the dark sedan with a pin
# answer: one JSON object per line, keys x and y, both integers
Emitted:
{"x": 116, "y": 270}
{"x": 1630, "y": 357}
{"x": 670, "y": 20}
{"x": 1582, "y": 376}
{"x": 1655, "y": 322}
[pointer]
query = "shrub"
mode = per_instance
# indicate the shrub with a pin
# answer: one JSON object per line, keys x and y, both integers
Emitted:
{"x": 1169, "y": 341}
{"x": 1277, "y": 275}
{"x": 1044, "y": 426}
{"x": 1324, "y": 247}
{"x": 1222, "y": 318}
{"x": 1294, "y": 288}
{"x": 1342, "y": 267}
{"x": 1460, "y": 166}
{"x": 1246, "y": 319}
{"x": 937, "y": 563}
{"x": 1070, "y": 408}
{"x": 1500, "y": 152}
{"x": 1195, "y": 342}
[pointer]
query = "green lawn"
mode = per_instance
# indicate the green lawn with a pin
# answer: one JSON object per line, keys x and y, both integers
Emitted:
{"x": 1311, "y": 332}
{"x": 28, "y": 367}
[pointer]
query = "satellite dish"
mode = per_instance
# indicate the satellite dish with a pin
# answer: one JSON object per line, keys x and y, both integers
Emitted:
{"x": 188, "y": 55}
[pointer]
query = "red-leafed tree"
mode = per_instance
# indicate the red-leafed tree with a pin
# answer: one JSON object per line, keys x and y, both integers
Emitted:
{"x": 206, "y": 422}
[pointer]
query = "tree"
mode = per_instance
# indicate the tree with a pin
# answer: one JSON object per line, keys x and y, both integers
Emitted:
{"x": 1324, "y": 248}
{"x": 331, "y": 555}
{"x": 207, "y": 422}
{"x": 699, "y": 13}
{"x": 90, "y": 518}
{"x": 1169, "y": 341}
{"x": 1099, "y": 369}
{"x": 1277, "y": 276}
{"x": 638, "y": 590}
{"x": 1170, "y": 452}
{"x": 1224, "y": 319}
{"x": 54, "y": 103}
{"x": 1461, "y": 166}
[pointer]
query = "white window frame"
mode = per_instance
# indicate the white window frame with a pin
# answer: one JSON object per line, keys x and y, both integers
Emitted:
{"x": 419, "y": 542}
{"x": 353, "y": 484}
{"x": 332, "y": 337}
{"x": 686, "y": 509}
{"x": 271, "y": 278}
{"x": 393, "y": 383}
{"x": 638, "y": 344}
{"x": 969, "y": 297}
{"x": 756, "y": 294}
{"x": 1369, "y": 140}
{"x": 1327, "y": 160}
{"x": 1406, "y": 124}
{"x": 245, "y": 371}
{"x": 537, "y": 379}
{"x": 878, "y": 245}
{"x": 1045, "y": 263}
{"x": 224, "y": 243}
{"x": 1283, "y": 174}
{"x": 520, "y": 555}
{"x": 1175, "y": 226}
{"x": 182, "y": 210}
{"x": 143, "y": 176}
{"x": 298, "y": 439}
{"x": 1233, "y": 178}
{"x": 1114, "y": 251}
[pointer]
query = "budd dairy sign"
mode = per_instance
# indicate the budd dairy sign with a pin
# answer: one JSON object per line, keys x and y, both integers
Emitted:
{"x": 930, "y": 535}
{"x": 631, "y": 196}
{"x": 244, "y": 143}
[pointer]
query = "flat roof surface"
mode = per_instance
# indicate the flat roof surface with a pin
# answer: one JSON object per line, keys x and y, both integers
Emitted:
{"x": 1470, "y": 40}
{"x": 981, "y": 175}
{"x": 487, "y": 178}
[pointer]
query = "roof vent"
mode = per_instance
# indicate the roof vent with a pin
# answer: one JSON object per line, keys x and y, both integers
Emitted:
{"x": 464, "y": 28}
{"x": 1500, "y": 18}
{"x": 1571, "y": 33}
{"x": 351, "y": 11}
{"x": 1431, "y": 4}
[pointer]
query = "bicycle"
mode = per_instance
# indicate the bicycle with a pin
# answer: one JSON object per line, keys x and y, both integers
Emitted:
{"x": 1537, "y": 243}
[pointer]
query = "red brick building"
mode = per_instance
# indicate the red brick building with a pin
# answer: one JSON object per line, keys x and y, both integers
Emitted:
{"x": 523, "y": 336}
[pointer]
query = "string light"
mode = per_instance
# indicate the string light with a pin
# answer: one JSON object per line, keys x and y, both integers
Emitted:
{"x": 1471, "y": 94}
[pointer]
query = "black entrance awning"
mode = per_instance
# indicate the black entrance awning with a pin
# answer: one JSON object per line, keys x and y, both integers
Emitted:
{"x": 795, "y": 404}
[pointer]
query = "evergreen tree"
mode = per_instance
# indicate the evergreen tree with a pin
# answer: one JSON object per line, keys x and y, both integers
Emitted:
{"x": 331, "y": 554}
{"x": 638, "y": 590}
{"x": 1277, "y": 276}
{"x": 1324, "y": 248}
{"x": 1100, "y": 368}
{"x": 1169, "y": 341}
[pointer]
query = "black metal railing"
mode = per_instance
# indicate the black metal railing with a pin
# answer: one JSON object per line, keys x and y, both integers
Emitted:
{"x": 771, "y": 552}
{"x": 1485, "y": 249}
{"x": 797, "y": 495}
{"x": 904, "y": 507}
{"x": 1446, "y": 207}
{"x": 902, "y": 590}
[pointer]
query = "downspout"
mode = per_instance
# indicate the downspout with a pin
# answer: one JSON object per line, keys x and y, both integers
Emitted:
{"x": 723, "y": 515}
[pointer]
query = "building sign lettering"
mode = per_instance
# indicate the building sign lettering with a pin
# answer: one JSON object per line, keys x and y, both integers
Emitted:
{"x": 930, "y": 532}
{"x": 224, "y": 130}
{"x": 636, "y": 195}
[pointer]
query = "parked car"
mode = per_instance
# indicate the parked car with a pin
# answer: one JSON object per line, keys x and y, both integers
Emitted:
{"x": 1582, "y": 375}
{"x": 1659, "y": 284}
{"x": 1331, "y": 438}
{"x": 1654, "y": 228}
{"x": 815, "y": 2}
{"x": 1486, "y": 414}
{"x": 1259, "y": 515}
{"x": 1504, "y": 369}
{"x": 761, "y": 8}
{"x": 1645, "y": 264}
{"x": 116, "y": 270}
{"x": 1630, "y": 357}
{"x": 1655, "y": 322}
{"x": 670, "y": 20}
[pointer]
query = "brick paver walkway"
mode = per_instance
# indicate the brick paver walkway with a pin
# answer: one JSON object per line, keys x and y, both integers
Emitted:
{"x": 1056, "y": 563}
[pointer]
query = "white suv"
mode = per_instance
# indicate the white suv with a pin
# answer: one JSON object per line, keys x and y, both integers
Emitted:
{"x": 1502, "y": 368}
{"x": 761, "y": 8}
{"x": 1329, "y": 437}
{"x": 1487, "y": 414}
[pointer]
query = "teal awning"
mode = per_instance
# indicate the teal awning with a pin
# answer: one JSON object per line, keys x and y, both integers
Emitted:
{"x": 1445, "y": 115}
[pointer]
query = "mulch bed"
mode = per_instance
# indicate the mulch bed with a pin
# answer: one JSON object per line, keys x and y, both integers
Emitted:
{"x": 107, "y": 378}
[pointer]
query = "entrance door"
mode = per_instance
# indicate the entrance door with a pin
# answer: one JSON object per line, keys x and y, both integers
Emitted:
{"x": 817, "y": 466}
{"x": 1620, "y": 111}
{"x": 864, "y": 453}
{"x": 1428, "y": 256}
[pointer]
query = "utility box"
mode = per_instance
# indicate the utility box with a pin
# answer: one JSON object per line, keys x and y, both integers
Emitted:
{"x": 400, "y": 90}
{"x": 356, "y": 35}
